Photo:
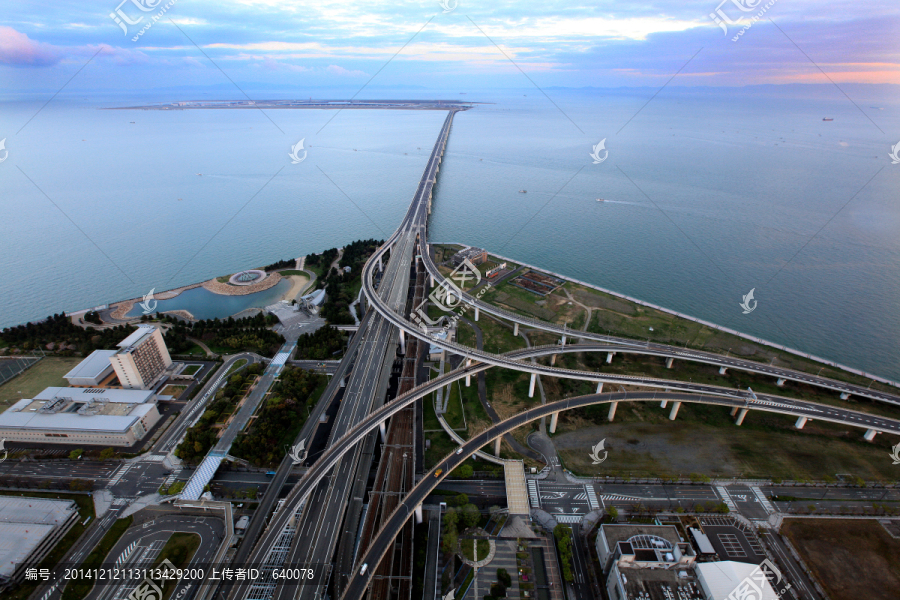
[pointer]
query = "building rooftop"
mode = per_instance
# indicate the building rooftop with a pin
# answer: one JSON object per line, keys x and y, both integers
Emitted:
{"x": 661, "y": 584}
{"x": 24, "y": 523}
{"x": 135, "y": 337}
{"x": 92, "y": 366}
{"x": 72, "y": 415}
{"x": 97, "y": 394}
{"x": 624, "y": 533}
{"x": 722, "y": 578}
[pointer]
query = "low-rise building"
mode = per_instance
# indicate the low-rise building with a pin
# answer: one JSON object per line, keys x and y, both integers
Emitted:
{"x": 93, "y": 371}
{"x": 476, "y": 256}
{"x": 95, "y": 416}
{"x": 29, "y": 529}
{"x": 142, "y": 358}
{"x": 647, "y": 561}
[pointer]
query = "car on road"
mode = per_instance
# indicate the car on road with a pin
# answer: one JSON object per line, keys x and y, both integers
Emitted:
{"x": 438, "y": 472}
{"x": 459, "y": 451}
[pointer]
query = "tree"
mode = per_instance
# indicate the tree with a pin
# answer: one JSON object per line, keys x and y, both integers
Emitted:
{"x": 107, "y": 453}
{"x": 465, "y": 471}
{"x": 460, "y": 500}
{"x": 613, "y": 513}
{"x": 498, "y": 590}
{"x": 76, "y": 454}
{"x": 470, "y": 515}
{"x": 451, "y": 518}
{"x": 504, "y": 577}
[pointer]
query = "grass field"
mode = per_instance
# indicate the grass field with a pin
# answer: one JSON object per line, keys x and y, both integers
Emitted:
{"x": 179, "y": 549}
{"x": 851, "y": 559}
{"x": 48, "y": 372}
{"x": 173, "y": 390}
{"x": 191, "y": 369}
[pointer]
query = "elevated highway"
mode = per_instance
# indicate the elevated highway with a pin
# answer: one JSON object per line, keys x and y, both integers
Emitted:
{"x": 663, "y": 350}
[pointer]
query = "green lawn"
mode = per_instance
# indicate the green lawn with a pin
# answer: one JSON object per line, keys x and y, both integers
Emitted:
{"x": 191, "y": 369}
{"x": 48, "y": 372}
{"x": 237, "y": 365}
{"x": 179, "y": 550}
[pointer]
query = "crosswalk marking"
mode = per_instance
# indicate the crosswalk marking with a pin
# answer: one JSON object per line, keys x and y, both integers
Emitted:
{"x": 762, "y": 499}
{"x": 620, "y": 498}
{"x": 591, "y": 497}
{"x": 726, "y": 498}
{"x": 119, "y": 474}
{"x": 567, "y": 518}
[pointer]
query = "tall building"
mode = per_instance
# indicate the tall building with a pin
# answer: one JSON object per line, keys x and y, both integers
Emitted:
{"x": 142, "y": 358}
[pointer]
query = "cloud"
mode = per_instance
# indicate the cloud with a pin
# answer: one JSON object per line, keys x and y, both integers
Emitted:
{"x": 18, "y": 50}
{"x": 336, "y": 70}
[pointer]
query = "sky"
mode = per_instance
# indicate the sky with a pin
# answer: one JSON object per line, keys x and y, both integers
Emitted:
{"x": 106, "y": 45}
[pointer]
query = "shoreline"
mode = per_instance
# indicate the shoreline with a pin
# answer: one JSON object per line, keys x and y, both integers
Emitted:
{"x": 223, "y": 289}
{"x": 710, "y": 324}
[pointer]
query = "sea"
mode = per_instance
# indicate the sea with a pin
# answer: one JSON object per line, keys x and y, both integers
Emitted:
{"x": 708, "y": 193}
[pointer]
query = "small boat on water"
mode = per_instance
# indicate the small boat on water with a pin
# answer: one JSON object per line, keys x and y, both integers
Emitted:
{"x": 523, "y": 191}
{"x": 601, "y": 200}
{"x": 827, "y": 119}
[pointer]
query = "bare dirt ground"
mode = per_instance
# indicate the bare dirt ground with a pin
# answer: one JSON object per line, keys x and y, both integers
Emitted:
{"x": 851, "y": 559}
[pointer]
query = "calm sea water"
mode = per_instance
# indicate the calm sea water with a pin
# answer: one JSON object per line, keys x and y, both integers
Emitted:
{"x": 707, "y": 196}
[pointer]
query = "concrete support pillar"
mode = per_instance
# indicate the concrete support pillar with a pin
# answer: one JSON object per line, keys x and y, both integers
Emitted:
{"x": 734, "y": 411}
{"x": 553, "y": 420}
{"x": 674, "y": 412}
{"x": 609, "y": 356}
{"x": 552, "y": 360}
{"x": 801, "y": 421}
{"x": 663, "y": 403}
{"x": 599, "y": 387}
{"x": 380, "y": 266}
{"x": 845, "y": 395}
{"x": 477, "y": 312}
{"x": 343, "y": 381}
{"x": 402, "y": 342}
{"x": 383, "y": 430}
{"x": 669, "y": 362}
{"x": 515, "y": 329}
{"x": 432, "y": 280}
{"x": 722, "y": 370}
{"x": 740, "y": 418}
{"x": 780, "y": 381}
{"x": 468, "y": 377}
{"x": 497, "y": 446}
{"x": 612, "y": 410}
{"x": 531, "y": 385}
{"x": 870, "y": 435}
{"x": 418, "y": 514}
{"x": 563, "y": 342}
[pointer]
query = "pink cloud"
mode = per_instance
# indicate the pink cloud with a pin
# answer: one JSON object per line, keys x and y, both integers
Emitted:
{"x": 18, "y": 50}
{"x": 338, "y": 70}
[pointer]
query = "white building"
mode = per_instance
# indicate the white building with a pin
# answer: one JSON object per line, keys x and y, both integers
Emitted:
{"x": 720, "y": 580}
{"x": 93, "y": 370}
{"x": 647, "y": 561}
{"x": 142, "y": 358}
{"x": 96, "y": 416}
{"x": 29, "y": 529}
